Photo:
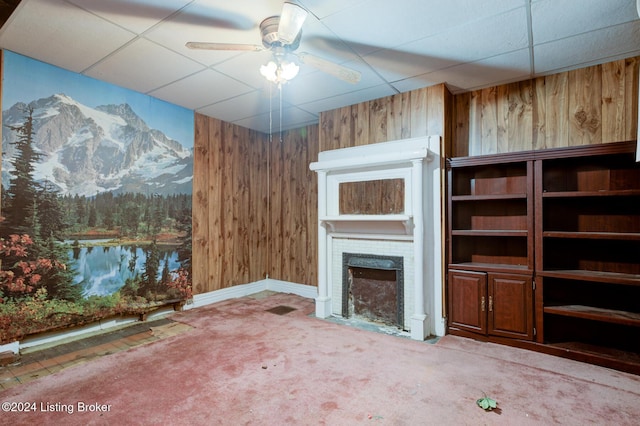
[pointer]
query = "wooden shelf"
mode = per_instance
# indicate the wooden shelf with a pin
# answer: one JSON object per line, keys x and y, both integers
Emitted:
{"x": 633, "y": 236}
{"x": 489, "y": 233}
{"x": 606, "y": 356}
{"x": 595, "y": 314}
{"x": 490, "y": 267}
{"x": 600, "y": 193}
{"x": 490, "y": 197}
{"x": 595, "y": 276}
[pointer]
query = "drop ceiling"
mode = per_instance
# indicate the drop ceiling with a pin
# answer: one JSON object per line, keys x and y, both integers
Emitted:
{"x": 398, "y": 46}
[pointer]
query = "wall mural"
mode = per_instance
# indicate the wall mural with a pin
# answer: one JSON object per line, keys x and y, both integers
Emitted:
{"x": 95, "y": 215}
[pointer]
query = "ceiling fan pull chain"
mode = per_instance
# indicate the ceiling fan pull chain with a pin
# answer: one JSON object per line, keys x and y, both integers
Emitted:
{"x": 270, "y": 115}
{"x": 280, "y": 88}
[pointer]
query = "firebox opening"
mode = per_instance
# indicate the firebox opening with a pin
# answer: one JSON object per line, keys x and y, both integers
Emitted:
{"x": 373, "y": 288}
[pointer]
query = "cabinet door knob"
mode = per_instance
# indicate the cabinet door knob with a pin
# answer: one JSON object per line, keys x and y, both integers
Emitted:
{"x": 482, "y": 304}
{"x": 490, "y": 303}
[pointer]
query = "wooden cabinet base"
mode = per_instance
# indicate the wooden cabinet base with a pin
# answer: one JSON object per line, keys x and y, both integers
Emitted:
{"x": 628, "y": 362}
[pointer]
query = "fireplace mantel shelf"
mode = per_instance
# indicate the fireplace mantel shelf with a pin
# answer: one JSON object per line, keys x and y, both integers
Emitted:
{"x": 388, "y": 223}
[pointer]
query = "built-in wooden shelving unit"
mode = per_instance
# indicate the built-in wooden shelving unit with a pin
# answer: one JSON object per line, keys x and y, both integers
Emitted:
{"x": 570, "y": 219}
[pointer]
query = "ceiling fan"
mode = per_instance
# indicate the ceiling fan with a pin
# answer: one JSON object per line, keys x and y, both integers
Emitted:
{"x": 281, "y": 35}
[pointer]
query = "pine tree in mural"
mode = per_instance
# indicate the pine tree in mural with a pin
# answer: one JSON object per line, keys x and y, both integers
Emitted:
{"x": 150, "y": 274}
{"x": 20, "y": 210}
{"x": 34, "y": 212}
{"x": 58, "y": 281}
{"x": 51, "y": 213}
{"x": 20, "y": 222}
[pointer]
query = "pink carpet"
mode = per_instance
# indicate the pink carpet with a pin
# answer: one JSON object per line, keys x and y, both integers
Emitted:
{"x": 243, "y": 365}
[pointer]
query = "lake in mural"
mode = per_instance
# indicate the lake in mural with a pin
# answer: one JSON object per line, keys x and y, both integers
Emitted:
{"x": 102, "y": 269}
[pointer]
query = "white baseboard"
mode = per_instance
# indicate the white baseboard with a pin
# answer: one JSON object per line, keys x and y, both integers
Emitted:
{"x": 242, "y": 290}
{"x": 308, "y": 291}
{"x": 10, "y": 347}
{"x": 234, "y": 292}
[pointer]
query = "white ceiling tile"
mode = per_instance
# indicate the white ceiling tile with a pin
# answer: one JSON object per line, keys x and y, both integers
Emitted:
{"x": 247, "y": 105}
{"x": 134, "y": 15}
{"x": 382, "y": 24}
{"x": 57, "y": 33}
{"x": 471, "y": 42}
{"x": 417, "y": 82}
{"x": 396, "y": 64}
{"x": 593, "y": 47}
{"x": 349, "y": 98}
{"x": 553, "y": 19}
{"x": 213, "y": 87}
{"x": 297, "y": 115}
{"x": 143, "y": 66}
{"x": 484, "y": 38}
{"x": 270, "y": 122}
{"x": 499, "y": 69}
{"x": 324, "y": 8}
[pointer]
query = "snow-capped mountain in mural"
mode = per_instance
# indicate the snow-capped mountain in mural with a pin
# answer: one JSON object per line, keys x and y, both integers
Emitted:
{"x": 86, "y": 150}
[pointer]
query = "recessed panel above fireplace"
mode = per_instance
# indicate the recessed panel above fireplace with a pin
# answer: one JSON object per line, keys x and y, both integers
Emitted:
{"x": 372, "y": 197}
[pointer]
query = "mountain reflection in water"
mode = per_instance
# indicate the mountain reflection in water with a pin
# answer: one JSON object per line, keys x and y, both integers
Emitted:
{"x": 103, "y": 270}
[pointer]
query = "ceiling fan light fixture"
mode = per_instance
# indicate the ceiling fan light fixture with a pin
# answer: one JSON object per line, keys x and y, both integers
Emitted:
{"x": 280, "y": 71}
{"x": 269, "y": 71}
{"x": 289, "y": 70}
{"x": 291, "y": 20}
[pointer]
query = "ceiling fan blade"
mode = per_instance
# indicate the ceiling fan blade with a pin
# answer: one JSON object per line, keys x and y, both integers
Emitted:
{"x": 343, "y": 73}
{"x": 291, "y": 20}
{"x": 223, "y": 46}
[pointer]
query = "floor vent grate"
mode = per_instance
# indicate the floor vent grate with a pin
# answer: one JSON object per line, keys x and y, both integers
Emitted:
{"x": 281, "y": 310}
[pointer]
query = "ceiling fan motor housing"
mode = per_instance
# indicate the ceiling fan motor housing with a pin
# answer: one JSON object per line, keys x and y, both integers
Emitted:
{"x": 270, "y": 38}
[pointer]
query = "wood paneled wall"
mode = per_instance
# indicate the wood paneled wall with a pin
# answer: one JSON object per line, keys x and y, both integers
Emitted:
{"x": 229, "y": 205}
{"x": 592, "y": 105}
{"x": 406, "y": 115}
{"x": 293, "y": 248}
{"x": 254, "y": 206}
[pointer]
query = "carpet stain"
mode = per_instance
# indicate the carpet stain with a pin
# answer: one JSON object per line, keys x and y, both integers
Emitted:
{"x": 329, "y": 405}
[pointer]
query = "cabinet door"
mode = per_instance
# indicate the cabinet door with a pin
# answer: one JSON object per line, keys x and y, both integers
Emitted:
{"x": 467, "y": 301}
{"x": 510, "y": 306}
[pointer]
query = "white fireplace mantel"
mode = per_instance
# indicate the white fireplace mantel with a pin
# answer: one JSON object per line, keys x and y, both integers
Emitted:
{"x": 411, "y": 160}
{"x": 370, "y": 224}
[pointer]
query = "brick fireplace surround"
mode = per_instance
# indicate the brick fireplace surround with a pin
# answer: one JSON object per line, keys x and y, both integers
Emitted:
{"x": 415, "y": 235}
